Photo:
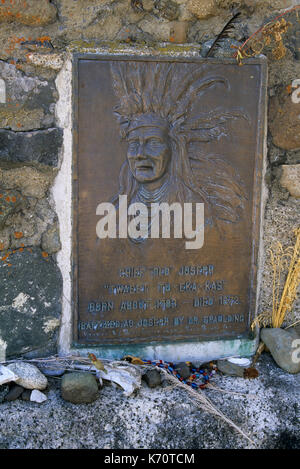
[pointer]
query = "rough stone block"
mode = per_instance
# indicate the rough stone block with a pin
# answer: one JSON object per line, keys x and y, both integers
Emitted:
{"x": 29, "y": 12}
{"x": 290, "y": 179}
{"x": 11, "y": 201}
{"x": 29, "y": 181}
{"x": 30, "y": 302}
{"x": 202, "y": 9}
{"x": 41, "y": 146}
{"x": 284, "y": 122}
{"x": 29, "y": 100}
{"x": 281, "y": 346}
{"x": 167, "y": 9}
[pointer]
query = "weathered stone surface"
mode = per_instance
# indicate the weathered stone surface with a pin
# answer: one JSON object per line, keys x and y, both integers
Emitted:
{"x": 79, "y": 388}
{"x": 14, "y": 392}
{"x": 10, "y": 202}
{"x": 167, "y": 9}
{"x": 50, "y": 240}
{"x": 29, "y": 376}
{"x": 28, "y": 180}
{"x": 28, "y": 226}
{"x": 29, "y": 12}
{"x": 41, "y": 146}
{"x": 202, "y": 9}
{"x": 30, "y": 302}
{"x": 284, "y": 121}
{"x": 29, "y": 100}
{"x": 158, "y": 28}
{"x": 152, "y": 378}
{"x": 280, "y": 345}
{"x": 290, "y": 179}
{"x": 51, "y": 61}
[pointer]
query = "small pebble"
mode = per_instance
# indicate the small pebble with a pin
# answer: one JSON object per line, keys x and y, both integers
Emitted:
{"x": 37, "y": 396}
{"x": 14, "y": 393}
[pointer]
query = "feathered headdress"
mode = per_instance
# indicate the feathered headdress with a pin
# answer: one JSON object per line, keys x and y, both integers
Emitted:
{"x": 167, "y": 91}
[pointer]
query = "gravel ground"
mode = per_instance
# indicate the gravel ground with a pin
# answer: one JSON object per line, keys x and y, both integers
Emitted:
{"x": 265, "y": 408}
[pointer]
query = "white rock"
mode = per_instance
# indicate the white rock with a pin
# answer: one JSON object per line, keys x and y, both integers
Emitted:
{"x": 245, "y": 362}
{"x": 125, "y": 375}
{"x": 37, "y": 396}
{"x": 29, "y": 376}
{"x": 6, "y": 375}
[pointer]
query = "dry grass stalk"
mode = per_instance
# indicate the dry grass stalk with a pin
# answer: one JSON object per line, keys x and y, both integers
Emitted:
{"x": 269, "y": 35}
{"x": 204, "y": 403}
{"x": 282, "y": 260}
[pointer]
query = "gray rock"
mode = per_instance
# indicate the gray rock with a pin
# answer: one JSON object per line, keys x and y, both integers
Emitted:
{"x": 280, "y": 344}
{"x": 26, "y": 394}
{"x": 52, "y": 371}
{"x": 152, "y": 378}
{"x": 79, "y": 388}
{"x": 167, "y": 9}
{"x": 30, "y": 303}
{"x": 183, "y": 369}
{"x": 14, "y": 393}
{"x": 41, "y": 146}
{"x": 231, "y": 369}
{"x": 29, "y": 376}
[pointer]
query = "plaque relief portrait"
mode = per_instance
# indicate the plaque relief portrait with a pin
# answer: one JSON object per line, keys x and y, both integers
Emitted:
{"x": 153, "y": 133}
{"x": 160, "y": 118}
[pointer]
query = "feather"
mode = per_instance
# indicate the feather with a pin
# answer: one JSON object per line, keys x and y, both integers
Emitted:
{"x": 223, "y": 34}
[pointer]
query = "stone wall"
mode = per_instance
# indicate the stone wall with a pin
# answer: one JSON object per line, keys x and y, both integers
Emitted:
{"x": 36, "y": 39}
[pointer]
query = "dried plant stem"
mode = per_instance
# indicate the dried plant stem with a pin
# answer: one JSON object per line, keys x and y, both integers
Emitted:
{"x": 282, "y": 260}
{"x": 264, "y": 26}
{"x": 259, "y": 351}
{"x": 205, "y": 404}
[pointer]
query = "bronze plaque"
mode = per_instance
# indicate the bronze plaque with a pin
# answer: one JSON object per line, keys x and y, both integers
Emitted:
{"x": 165, "y": 131}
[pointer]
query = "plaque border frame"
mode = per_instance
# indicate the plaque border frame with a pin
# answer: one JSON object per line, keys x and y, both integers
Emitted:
{"x": 116, "y": 350}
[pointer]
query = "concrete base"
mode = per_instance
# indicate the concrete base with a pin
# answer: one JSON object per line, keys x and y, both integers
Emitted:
{"x": 197, "y": 352}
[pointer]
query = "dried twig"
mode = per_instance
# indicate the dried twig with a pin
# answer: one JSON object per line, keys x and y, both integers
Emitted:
{"x": 205, "y": 404}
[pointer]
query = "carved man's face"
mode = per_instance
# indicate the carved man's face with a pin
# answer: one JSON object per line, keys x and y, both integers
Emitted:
{"x": 148, "y": 153}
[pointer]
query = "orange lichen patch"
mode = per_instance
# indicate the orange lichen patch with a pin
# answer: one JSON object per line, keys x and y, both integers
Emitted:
{"x": 289, "y": 89}
{"x": 7, "y": 199}
{"x": 1, "y": 195}
{"x": 18, "y": 234}
{"x": 13, "y": 199}
{"x": 22, "y": 245}
{"x": 2, "y": 246}
{"x": 9, "y": 265}
{"x": 45, "y": 254}
{"x": 21, "y": 249}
